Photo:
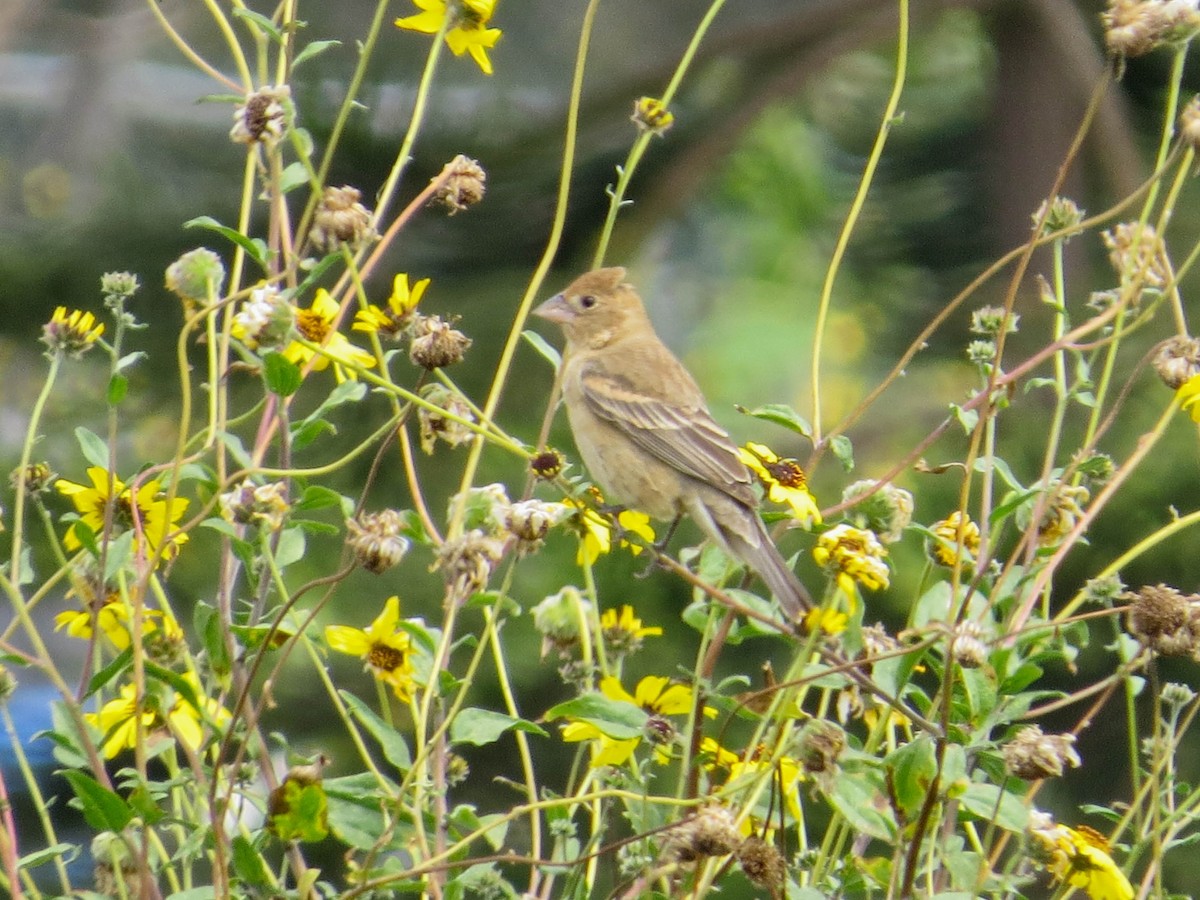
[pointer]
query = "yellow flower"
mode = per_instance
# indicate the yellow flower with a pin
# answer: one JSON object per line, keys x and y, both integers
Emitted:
{"x": 786, "y": 772}
{"x": 392, "y": 321}
{"x": 118, "y": 721}
{"x": 316, "y": 325}
{"x": 624, "y": 632}
{"x": 112, "y": 617}
{"x": 853, "y": 555}
{"x": 596, "y": 531}
{"x": 1188, "y": 396}
{"x": 150, "y": 517}
{"x": 1079, "y": 856}
{"x": 385, "y": 648}
{"x": 71, "y": 333}
{"x": 831, "y": 621}
{"x": 951, "y": 533}
{"x": 467, "y": 32}
{"x": 656, "y": 696}
{"x": 784, "y": 480}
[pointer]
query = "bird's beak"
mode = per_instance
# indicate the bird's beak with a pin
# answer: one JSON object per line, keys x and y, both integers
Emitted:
{"x": 556, "y": 309}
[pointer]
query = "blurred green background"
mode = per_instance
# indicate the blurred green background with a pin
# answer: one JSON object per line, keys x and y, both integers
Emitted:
{"x": 107, "y": 148}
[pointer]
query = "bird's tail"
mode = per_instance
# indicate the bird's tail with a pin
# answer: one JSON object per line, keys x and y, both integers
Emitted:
{"x": 762, "y": 556}
{"x": 739, "y": 530}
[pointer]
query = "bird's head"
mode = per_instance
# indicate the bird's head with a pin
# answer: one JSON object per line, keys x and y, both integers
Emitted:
{"x": 596, "y": 308}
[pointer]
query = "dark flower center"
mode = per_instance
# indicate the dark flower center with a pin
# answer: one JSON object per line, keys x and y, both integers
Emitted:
{"x": 385, "y": 658}
{"x": 786, "y": 472}
{"x": 311, "y": 326}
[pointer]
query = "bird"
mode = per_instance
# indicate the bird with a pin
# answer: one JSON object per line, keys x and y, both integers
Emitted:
{"x": 644, "y": 431}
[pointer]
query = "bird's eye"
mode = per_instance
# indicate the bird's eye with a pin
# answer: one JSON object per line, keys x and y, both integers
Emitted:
{"x": 587, "y": 301}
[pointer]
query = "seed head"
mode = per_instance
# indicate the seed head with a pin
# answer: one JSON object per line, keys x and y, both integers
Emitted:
{"x": 1177, "y": 360}
{"x": 435, "y": 344}
{"x": 262, "y": 118}
{"x": 1032, "y": 755}
{"x": 465, "y": 185}
{"x": 341, "y": 219}
{"x": 376, "y": 541}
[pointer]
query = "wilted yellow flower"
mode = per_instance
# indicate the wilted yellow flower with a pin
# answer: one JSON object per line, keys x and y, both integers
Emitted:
{"x": 1080, "y": 857}
{"x": 393, "y": 321}
{"x": 853, "y": 555}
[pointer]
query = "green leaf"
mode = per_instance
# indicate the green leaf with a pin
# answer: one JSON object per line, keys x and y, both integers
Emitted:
{"x": 103, "y": 809}
{"x": 616, "y": 719}
{"x": 255, "y": 248}
{"x": 282, "y": 375}
{"x": 248, "y": 863}
{"x": 981, "y": 800}
{"x": 120, "y": 555}
{"x": 308, "y": 431}
{"x": 843, "y": 449}
{"x": 913, "y": 769}
{"x": 313, "y": 48}
{"x": 394, "y": 747}
{"x": 299, "y": 811}
{"x": 484, "y": 726}
{"x": 129, "y": 359}
{"x": 67, "y": 852}
{"x": 316, "y": 496}
{"x": 118, "y": 386}
{"x": 109, "y": 672}
{"x": 261, "y": 21}
{"x": 541, "y": 346}
{"x": 95, "y": 451}
{"x": 294, "y": 176}
{"x": 856, "y": 799}
{"x": 291, "y": 547}
{"x": 967, "y": 418}
{"x": 780, "y": 414}
{"x": 355, "y": 813}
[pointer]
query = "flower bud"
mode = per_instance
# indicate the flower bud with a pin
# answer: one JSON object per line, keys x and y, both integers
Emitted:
{"x": 376, "y": 541}
{"x": 465, "y": 184}
{"x": 197, "y": 276}
{"x": 435, "y": 344}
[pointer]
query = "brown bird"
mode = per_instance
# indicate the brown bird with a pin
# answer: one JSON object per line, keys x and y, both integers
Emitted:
{"x": 645, "y": 432}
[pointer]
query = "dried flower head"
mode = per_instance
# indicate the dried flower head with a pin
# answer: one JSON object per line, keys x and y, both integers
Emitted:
{"x": 652, "y": 115}
{"x": 530, "y": 520}
{"x": 710, "y": 832}
{"x": 71, "y": 334}
{"x": 1061, "y": 510}
{"x": 886, "y": 511}
{"x": 966, "y": 645}
{"x": 445, "y": 426}
{"x": 821, "y": 744}
{"x": 1137, "y": 254}
{"x": 1032, "y": 755}
{"x": 376, "y": 541}
{"x": 341, "y": 219}
{"x": 467, "y": 563}
{"x": 464, "y": 186}
{"x": 435, "y": 344}
{"x": 1165, "y": 620}
{"x": 1176, "y": 695}
{"x": 264, "y": 505}
{"x": 196, "y": 277}
{"x": 1135, "y": 27}
{"x": 1177, "y": 360}
{"x": 547, "y": 464}
{"x": 262, "y": 117}
{"x": 265, "y": 320}
{"x": 762, "y": 863}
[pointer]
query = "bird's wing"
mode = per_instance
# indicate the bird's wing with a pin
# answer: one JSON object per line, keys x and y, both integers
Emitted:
{"x": 685, "y": 437}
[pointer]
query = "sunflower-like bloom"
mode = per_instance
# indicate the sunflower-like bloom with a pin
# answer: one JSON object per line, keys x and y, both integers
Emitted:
{"x": 385, "y": 648}
{"x": 1188, "y": 395}
{"x": 658, "y": 698}
{"x": 954, "y": 535}
{"x": 467, "y": 32}
{"x": 120, "y": 723}
{"x": 153, "y": 519}
{"x": 596, "y": 531}
{"x": 784, "y": 481}
{"x": 752, "y": 764}
{"x": 1080, "y": 857}
{"x": 72, "y": 333}
{"x": 316, "y": 325}
{"x": 854, "y": 555}
{"x": 113, "y": 619}
{"x": 393, "y": 321}
{"x": 623, "y": 632}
